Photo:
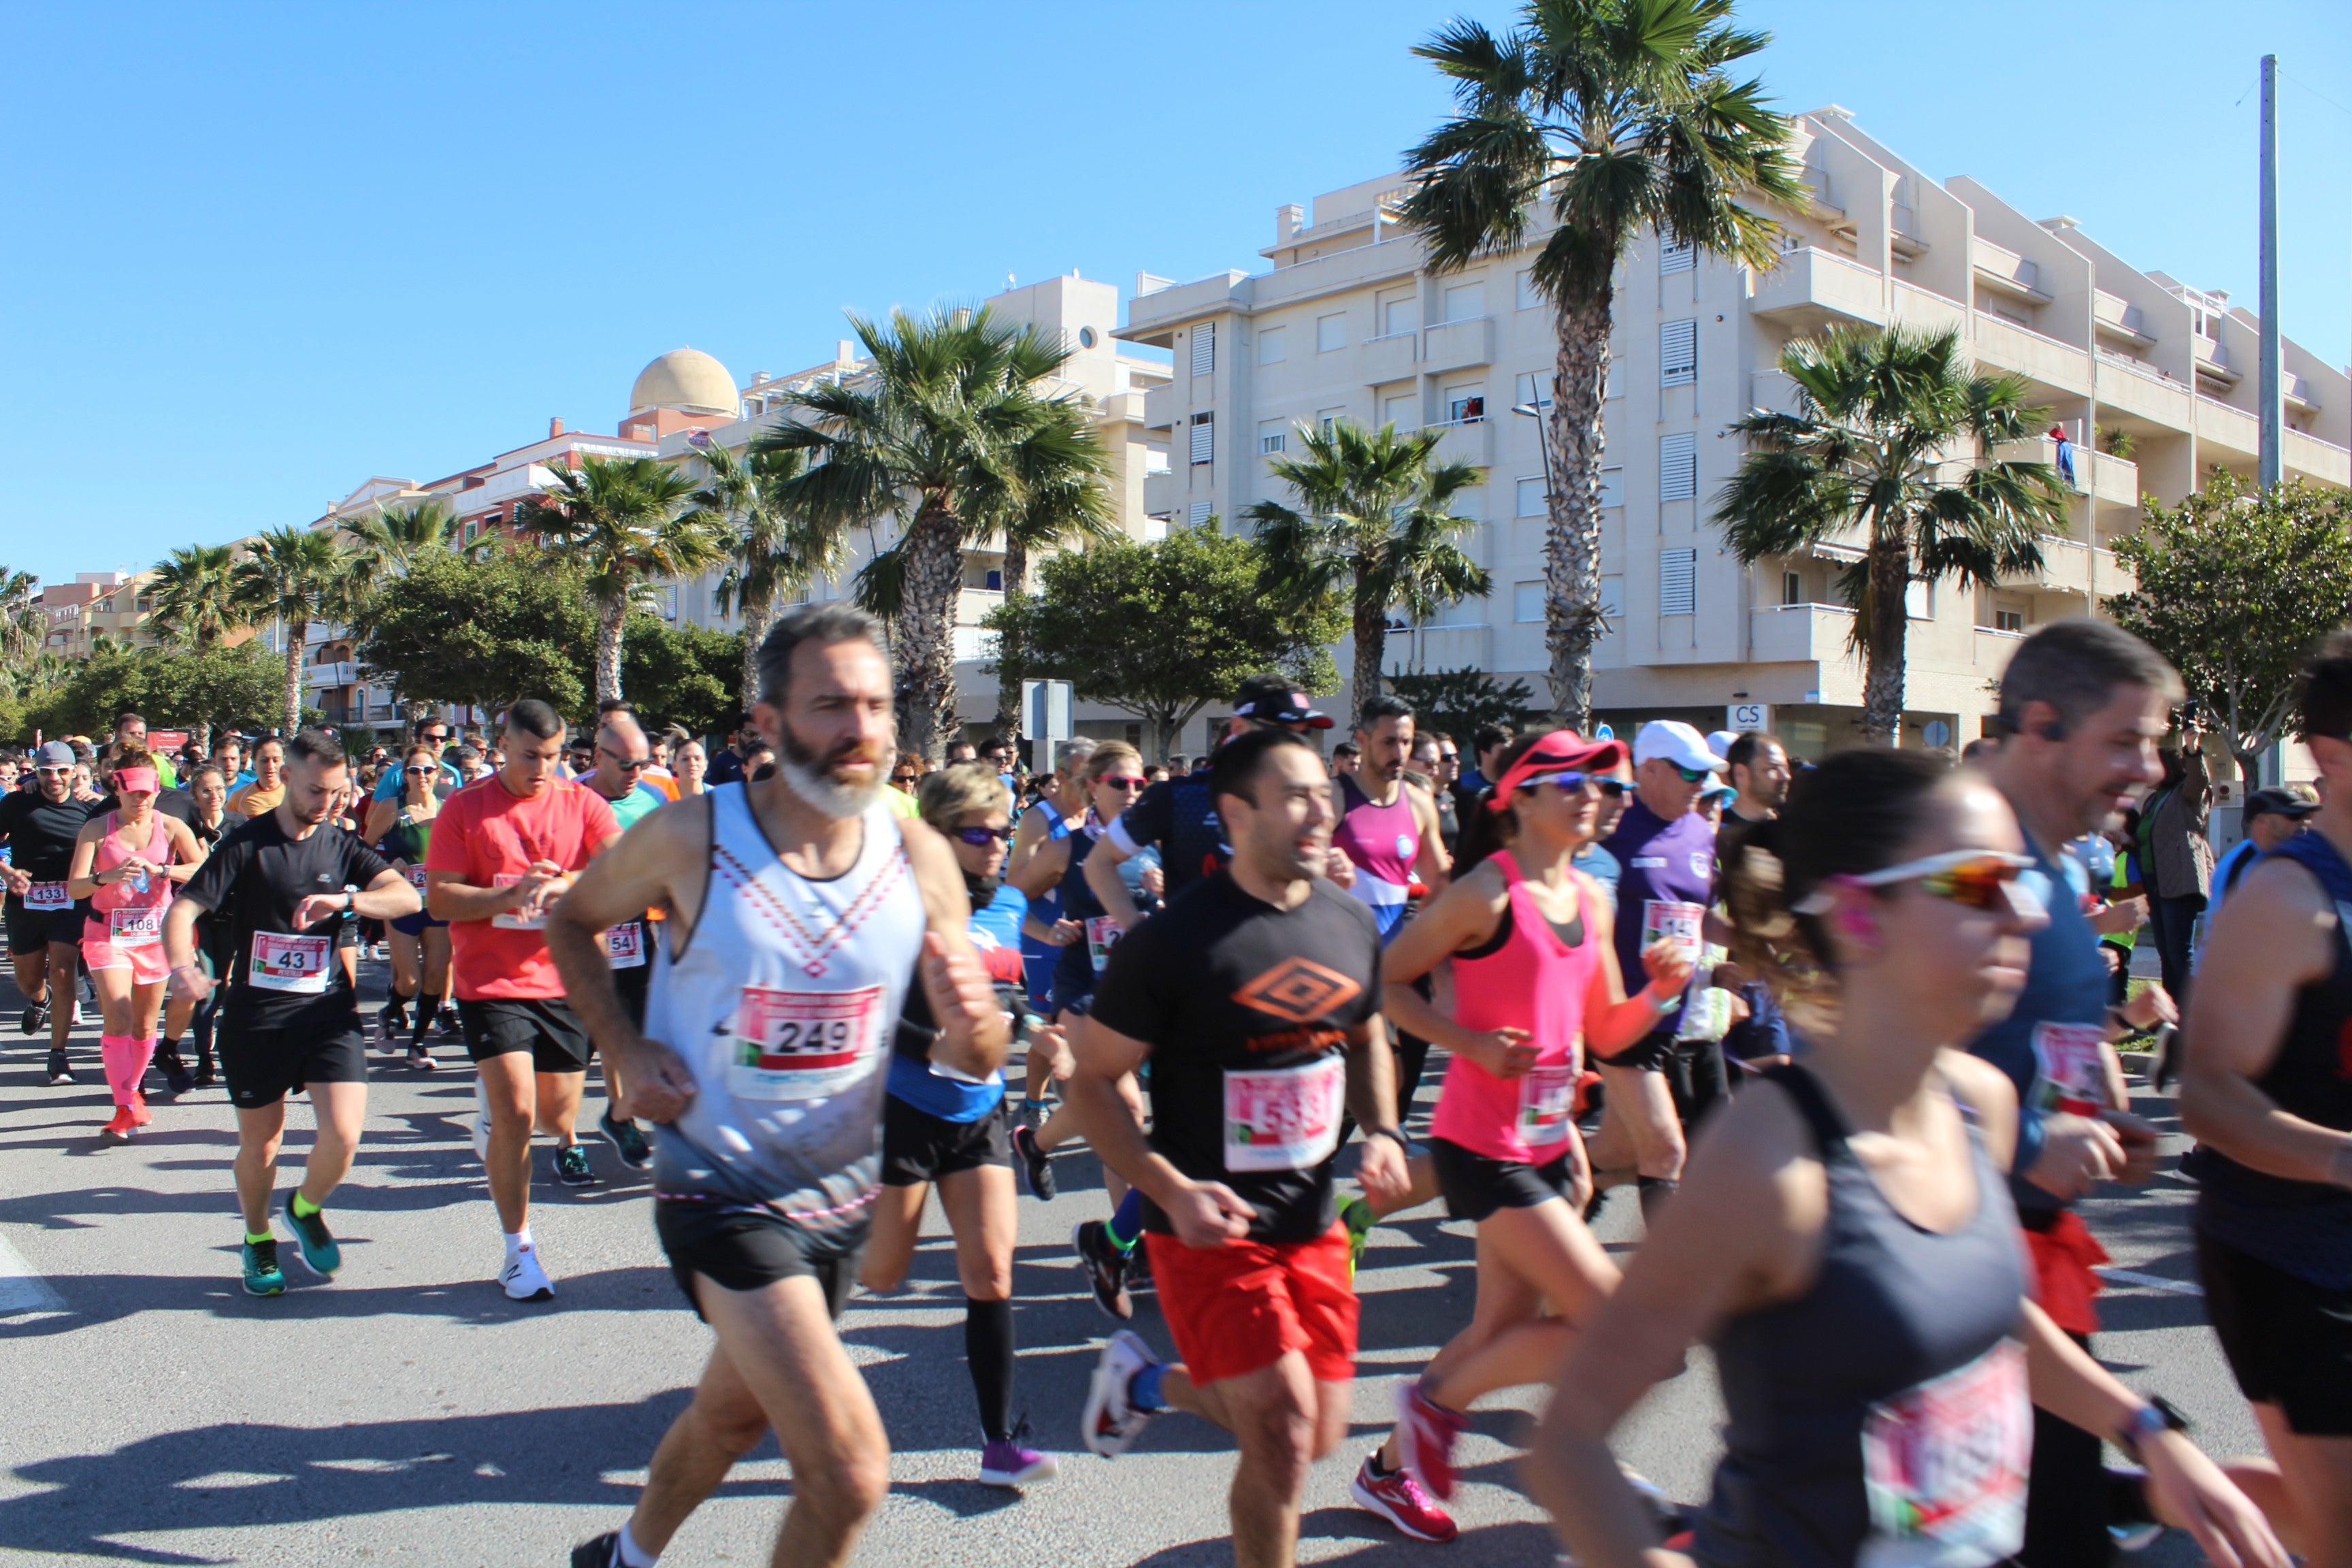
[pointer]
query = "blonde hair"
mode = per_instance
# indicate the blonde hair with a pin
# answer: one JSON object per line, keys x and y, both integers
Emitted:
{"x": 1106, "y": 753}
{"x": 944, "y": 795}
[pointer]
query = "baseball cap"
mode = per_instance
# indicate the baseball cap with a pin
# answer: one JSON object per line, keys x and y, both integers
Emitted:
{"x": 2277, "y": 801}
{"x": 1271, "y": 699}
{"x": 55, "y": 754}
{"x": 1677, "y": 742}
{"x": 1561, "y": 750}
{"x": 1719, "y": 742}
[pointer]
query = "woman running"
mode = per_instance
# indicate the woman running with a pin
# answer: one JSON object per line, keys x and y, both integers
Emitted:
{"x": 420, "y": 944}
{"x": 126, "y": 864}
{"x": 1535, "y": 976}
{"x": 945, "y": 1128}
{"x": 209, "y": 789}
{"x": 691, "y": 766}
{"x": 1844, "y": 1238}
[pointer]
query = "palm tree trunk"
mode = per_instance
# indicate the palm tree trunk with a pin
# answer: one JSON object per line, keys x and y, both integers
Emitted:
{"x": 1372, "y": 628}
{"x": 1881, "y": 674}
{"x": 610, "y": 616}
{"x": 1572, "y": 618}
{"x": 926, "y": 639}
{"x": 759, "y": 614}
{"x": 295, "y": 637}
{"x": 1011, "y": 669}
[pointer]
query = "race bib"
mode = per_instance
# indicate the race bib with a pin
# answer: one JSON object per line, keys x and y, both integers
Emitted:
{"x": 416, "y": 877}
{"x": 135, "y": 928}
{"x": 1682, "y": 925}
{"x": 1284, "y": 1118}
{"x": 804, "y": 1044}
{"x": 1943, "y": 1467}
{"x": 1546, "y": 1097}
{"x": 1102, "y": 935}
{"x": 48, "y": 896}
{"x": 507, "y": 920}
{"x": 296, "y": 963}
{"x": 625, "y": 945}
{"x": 2074, "y": 1075}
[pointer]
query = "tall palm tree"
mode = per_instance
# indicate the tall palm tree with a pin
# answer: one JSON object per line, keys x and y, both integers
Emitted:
{"x": 393, "y": 541}
{"x": 1378, "y": 532}
{"x": 631, "y": 521}
{"x": 772, "y": 547}
{"x": 955, "y": 432}
{"x": 1066, "y": 505}
{"x": 293, "y": 575}
{"x": 194, "y": 596}
{"x": 1892, "y": 439}
{"x": 1602, "y": 117}
{"x": 23, "y": 628}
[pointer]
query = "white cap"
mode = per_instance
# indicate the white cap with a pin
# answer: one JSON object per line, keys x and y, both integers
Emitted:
{"x": 1719, "y": 742}
{"x": 1677, "y": 742}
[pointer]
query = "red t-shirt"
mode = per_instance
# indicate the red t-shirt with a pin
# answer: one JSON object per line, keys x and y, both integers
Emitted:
{"x": 488, "y": 837}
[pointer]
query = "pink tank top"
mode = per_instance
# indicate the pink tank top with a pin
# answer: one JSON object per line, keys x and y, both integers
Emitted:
{"x": 128, "y": 913}
{"x": 1533, "y": 982}
{"x": 1383, "y": 841}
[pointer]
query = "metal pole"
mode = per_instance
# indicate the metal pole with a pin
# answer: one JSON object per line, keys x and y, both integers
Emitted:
{"x": 2269, "y": 469}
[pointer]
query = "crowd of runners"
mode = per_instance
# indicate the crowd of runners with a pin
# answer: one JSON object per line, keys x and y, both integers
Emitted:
{"x": 1847, "y": 1029}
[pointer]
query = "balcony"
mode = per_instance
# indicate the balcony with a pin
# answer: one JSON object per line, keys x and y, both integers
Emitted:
{"x": 1412, "y": 649}
{"x": 1163, "y": 493}
{"x": 2043, "y": 449}
{"x": 1125, "y": 407}
{"x": 2213, "y": 360}
{"x": 1459, "y": 345}
{"x": 1813, "y": 288}
{"x": 2005, "y": 345}
{"x": 1387, "y": 358}
{"x": 2116, "y": 317}
{"x": 1791, "y": 634}
{"x": 2007, "y": 272}
{"x": 1470, "y": 441}
{"x": 1773, "y": 393}
{"x": 1163, "y": 407}
{"x": 319, "y": 675}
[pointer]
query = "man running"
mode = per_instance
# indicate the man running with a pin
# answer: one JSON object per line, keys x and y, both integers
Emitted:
{"x": 279, "y": 889}
{"x": 623, "y": 753}
{"x": 1253, "y": 997}
{"x": 1054, "y": 815}
{"x": 2267, "y": 1093}
{"x": 502, "y": 852}
{"x": 763, "y": 1064}
{"x": 1388, "y": 824}
{"x": 39, "y": 827}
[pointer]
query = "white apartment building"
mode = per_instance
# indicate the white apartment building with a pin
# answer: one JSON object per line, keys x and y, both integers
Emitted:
{"x": 1344, "y": 323}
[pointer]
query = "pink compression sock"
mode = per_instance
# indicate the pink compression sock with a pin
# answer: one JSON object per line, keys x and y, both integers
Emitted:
{"x": 126, "y": 1060}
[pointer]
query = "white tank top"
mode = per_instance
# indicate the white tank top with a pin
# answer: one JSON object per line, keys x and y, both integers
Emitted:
{"x": 784, "y": 1004}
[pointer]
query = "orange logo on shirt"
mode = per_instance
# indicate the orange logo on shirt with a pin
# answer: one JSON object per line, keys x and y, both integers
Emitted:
{"x": 1297, "y": 989}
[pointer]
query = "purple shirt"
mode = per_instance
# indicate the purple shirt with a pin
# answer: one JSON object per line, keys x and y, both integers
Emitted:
{"x": 1664, "y": 863}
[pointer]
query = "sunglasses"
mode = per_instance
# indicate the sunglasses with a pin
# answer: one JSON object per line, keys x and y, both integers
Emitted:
{"x": 624, "y": 764}
{"x": 1126, "y": 782}
{"x": 1979, "y": 878}
{"x": 1573, "y": 783}
{"x": 1692, "y": 776}
{"x": 413, "y": 769}
{"x": 977, "y": 837}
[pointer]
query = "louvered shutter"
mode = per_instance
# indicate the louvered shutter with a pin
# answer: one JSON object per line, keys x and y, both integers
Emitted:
{"x": 1677, "y": 582}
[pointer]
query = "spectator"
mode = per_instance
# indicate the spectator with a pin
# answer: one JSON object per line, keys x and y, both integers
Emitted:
{"x": 1346, "y": 758}
{"x": 2272, "y": 817}
{"x": 728, "y": 765}
{"x": 2175, "y": 860}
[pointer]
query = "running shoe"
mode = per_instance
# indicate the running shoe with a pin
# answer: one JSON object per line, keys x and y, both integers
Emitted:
{"x": 628, "y": 1138}
{"x": 176, "y": 1075}
{"x": 1013, "y": 1463}
{"x": 60, "y": 1073}
{"x": 2164, "y": 1066}
{"x": 77, "y": 1013}
{"x": 206, "y": 1077}
{"x": 523, "y": 1280}
{"x": 120, "y": 1128}
{"x": 1112, "y": 1422}
{"x": 572, "y": 1165}
{"x": 1139, "y": 1266}
{"x": 262, "y": 1276}
{"x": 1596, "y": 1202}
{"x": 1398, "y": 1498}
{"x": 1036, "y": 1162}
{"x": 1106, "y": 1268}
{"x": 605, "y": 1552}
{"x": 36, "y": 1020}
{"x": 1674, "y": 1519}
{"x": 140, "y": 1115}
{"x": 391, "y": 1023}
{"x": 1426, "y": 1434}
{"x": 420, "y": 1059}
{"x": 318, "y": 1248}
{"x": 1358, "y": 1217}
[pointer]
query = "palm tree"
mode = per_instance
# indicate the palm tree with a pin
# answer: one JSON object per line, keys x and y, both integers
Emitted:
{"x": 772, "y": 549}
{"x": 633, "y": 521}
{"x": 195, "y": 595}
{"x": 953, "y": 432}
{"x": 1892, "y": 439}
{"x": 1606, "y": 116}
{"x": 293, "y": 575}
{"x": 394, "y": 540}
{"x": 1066, "y": 505}
{"x": 23, "y": 629}
{"x": 1377, "y": 531}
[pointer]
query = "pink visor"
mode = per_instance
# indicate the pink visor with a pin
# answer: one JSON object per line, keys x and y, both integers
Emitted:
{"x": 1562, "y": 750}
{"x": 135, "y": 781}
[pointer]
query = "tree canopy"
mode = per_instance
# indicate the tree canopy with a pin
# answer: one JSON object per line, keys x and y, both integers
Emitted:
{"x": 490, "y": 632}
{"x": 683, "y": 675}
{"x": 1458, "y": 701}
{"x": 178, "y": 689}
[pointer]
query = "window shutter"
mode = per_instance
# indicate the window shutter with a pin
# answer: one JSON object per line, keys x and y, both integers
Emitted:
{"x": 1677, "y": 353}
{"x": 1678, "y": 467}
{"x": 1677, "y": 582}
{"x": 1676, "y": 255}
{"x": 1204, "y": 348}
{"x": 1200, "y": 514}
{"x": 1204, "y": 437}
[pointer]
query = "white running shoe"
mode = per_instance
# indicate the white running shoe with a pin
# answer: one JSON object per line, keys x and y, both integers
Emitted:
{"x": 523, "y": 1280}
{"x": 481, "y": 1122}
{"x": 1111, "y": 1422}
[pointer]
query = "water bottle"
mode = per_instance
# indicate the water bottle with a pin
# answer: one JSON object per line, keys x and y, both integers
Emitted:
{"x": 139, "y": 882}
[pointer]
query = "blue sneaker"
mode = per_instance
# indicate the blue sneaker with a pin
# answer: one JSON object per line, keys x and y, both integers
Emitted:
{"x": 262, "y": 1277}
{"x": 318, "y": 1248}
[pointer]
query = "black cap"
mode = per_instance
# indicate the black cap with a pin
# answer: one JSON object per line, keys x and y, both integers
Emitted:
{"x": 1272, "y": 700}
{"x": 2277, "y": 801}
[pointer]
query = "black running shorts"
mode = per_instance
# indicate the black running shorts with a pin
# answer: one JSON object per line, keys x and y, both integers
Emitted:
{"x": 1476, "y": 1184}
{"x": 917, "y": 1147}
{"x": 2289, "y": 1341}
{"x": 741, "y": 1248}
{"x": 264, "y": 1066}
{"x": 31, "y": 930}
{"x": 547, "y": 1028}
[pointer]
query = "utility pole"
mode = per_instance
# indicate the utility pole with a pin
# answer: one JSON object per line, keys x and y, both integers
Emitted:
{"x": 2270, "y": 470}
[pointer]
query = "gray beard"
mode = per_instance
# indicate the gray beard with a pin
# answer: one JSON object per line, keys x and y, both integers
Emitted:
{"x": 837, "y": 801}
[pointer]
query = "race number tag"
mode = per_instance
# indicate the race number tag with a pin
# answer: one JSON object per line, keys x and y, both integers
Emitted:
{"x": 507, "y": 920}
{"x": 625, "y": 945}
{"x": 1547, "y": 1095}
{"x": 1682, "y": 925}
{"x": 416, "y": 877}
{"x": 296, "y": 964}
{"x": 48, "y": 896}
{"x": 804, "y": 1044}
{"x": 2074, "y": 1075}
{"x": 135, "y": 928}
{"x": 1102, "y": 935}
{"x": 1284, "y": 1118}
{"x": 1943, "y": 1467}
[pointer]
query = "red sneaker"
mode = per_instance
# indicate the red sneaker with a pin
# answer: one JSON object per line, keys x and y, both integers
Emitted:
{"x": 1398, "y": 1499}
{"x": 1425, "y": 1439}
{"x": 140, "y": 1115}
{"x": 119, "y": 1130}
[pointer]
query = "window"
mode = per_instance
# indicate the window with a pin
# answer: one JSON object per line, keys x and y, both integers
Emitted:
{"x": 1527, "y": 296}
{"x": 1792, "y": 587}
{"x": 1535, "y": 500}
{"x": 2009, "y": 620}
{"x": 1204, "y": 348}
{"x": 1919, "y": 600}
{"x": 1678, "y": 468}
{"x": 1327, "y": 417}
{"x": 1273, "y": 346}
{"x": 1613, "y": 486}
{"x": 1526, "y": 602}
{"x": 1273, "y": 436}
{"x": 1155, "y": 460}
{"x": 1398, "y": 312}
{"x": 1465, "y": 404}
{"x": 1403, "y": 411}
{"x": 1613, "y": 599}
{"x": 1086, "y": 338}
{"x": 993, "y": 580}
{"x": 1532, "y": 390}
{"x": 1199, "y": 513}
{"x": 1330, "y": 332}
{"x": 1677, "y": 582}
{"x": 1465, "y": 301}
{"x": 1677, "y": 353}
{"x": 1676, "y": 255}
{"x": 1204, "y": 438}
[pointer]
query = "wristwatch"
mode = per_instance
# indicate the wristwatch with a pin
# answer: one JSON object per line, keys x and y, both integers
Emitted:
{"x": 2157, "y": 1416}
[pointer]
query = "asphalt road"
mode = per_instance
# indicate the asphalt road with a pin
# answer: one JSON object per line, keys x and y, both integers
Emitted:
{"x": 407, "y": 1412}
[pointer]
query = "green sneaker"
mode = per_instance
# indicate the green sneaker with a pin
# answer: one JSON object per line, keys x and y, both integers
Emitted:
{"x": 261, "y": 1273}
{"x": 318, "y": 1248}
{"x": 572, "y": 1166}
{"x": 1358, "y": 1218}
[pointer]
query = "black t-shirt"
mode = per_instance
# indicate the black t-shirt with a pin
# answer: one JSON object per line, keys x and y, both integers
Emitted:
{"x": 40, "y": 833}
{"x": 1247, "y": 1009}
{"x": 281, "y": 978}
{"x": 1177, "y": 815}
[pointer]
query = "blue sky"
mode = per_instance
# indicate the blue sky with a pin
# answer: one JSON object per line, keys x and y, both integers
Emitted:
{"x": 259, "y": 253}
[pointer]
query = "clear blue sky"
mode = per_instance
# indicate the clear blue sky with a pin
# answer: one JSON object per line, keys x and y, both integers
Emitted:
{"x": 259, "y": 253}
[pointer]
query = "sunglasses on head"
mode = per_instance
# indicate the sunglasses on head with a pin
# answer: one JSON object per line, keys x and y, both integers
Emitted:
{"x": 1979, "y": 878}
{"x": 977, "y": 837}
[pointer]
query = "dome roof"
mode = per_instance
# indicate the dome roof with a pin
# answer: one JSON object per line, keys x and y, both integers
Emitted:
{"x": 688, "y": 380}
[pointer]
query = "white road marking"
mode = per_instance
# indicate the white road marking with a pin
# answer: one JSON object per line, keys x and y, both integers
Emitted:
{"x": 2153, "y": 1281}
{"x": 22, "y": 1288}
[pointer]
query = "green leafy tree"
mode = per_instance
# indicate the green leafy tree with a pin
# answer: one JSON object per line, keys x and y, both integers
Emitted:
{"x": 294, "y": 576}
{"x": 1602, "y": 117}
{"x": 955, "y": 432}
{"x": 23, "y": 628}
{"x": 488, "y": 633}
{"x": 194, "y": 597}
{"x": 2234, "y": 586}
{"x": 1376, "y": 533}
{"x": 1458, "y": 701}
{"x": 682, "y": 675}
{"x": 629, "y": 522}
{"x": 773, "y": 548}
{"x": 1161, "y": 630}
{"x": 1892, "y": 441}
{"x": 193, "y": 688}
{"x": 1066, "y": 505}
